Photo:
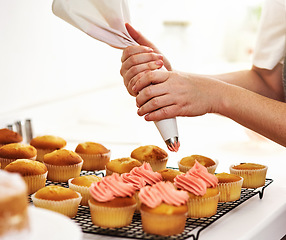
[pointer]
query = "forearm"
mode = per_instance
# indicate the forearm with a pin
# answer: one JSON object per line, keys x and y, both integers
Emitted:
{"x": 261, "y": 114}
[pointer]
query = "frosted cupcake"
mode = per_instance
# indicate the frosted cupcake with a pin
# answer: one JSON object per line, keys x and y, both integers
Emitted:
{"x": 202, "y": 189}
{"x": 46, "y": 144}
{"x": 95, "y": 156}
{"x": 81, "y": 184}
{"x": 62, "y": 165}
{"x": 186, "y": 163}
{"x": 59, "y": 199}
{"x": 169, "y": 174}
{"x": 254, "y": 175}
{"x": 229, "y": 186}
{"x": 33, "y": 172}
{"x": 154, "y": 155}
{"x": 121, "y": 165}
{"x": 112, "y": 203}
{"x": 163, "y": 209}
{"x": 13, "y": 151}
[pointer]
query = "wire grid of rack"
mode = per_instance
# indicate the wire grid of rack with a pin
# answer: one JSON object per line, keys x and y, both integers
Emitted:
{"x": 193, "y": 226}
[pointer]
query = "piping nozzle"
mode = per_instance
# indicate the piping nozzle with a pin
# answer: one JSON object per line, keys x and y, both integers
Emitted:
{"x": 173, "y": 144}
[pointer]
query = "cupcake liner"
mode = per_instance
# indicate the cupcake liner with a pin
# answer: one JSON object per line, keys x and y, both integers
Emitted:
{"x": 251, "y": 178}
{"x": 202, "y": 207}
{"x": 230, "y": 191}
{"x": 138, "y": 202}
{"x": 211, "y": 169}
{"x": 35, "y": 182}
{"x": 83, "y": 190}
{"x": 5, "y": 161}
{"x": 67, "y": 207}
{"x": 111, "y": 217}
{"x": 63, "y": 173}
{"x": 93, "y": 162}
{"x": 108, "y": 172}
{"x": 41, "y": 152}
{"x": 157, "y": 164}
{"x": 163, "y": 224}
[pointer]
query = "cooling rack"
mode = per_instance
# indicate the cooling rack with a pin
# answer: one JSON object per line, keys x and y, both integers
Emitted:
{"x": 193, "y": 225}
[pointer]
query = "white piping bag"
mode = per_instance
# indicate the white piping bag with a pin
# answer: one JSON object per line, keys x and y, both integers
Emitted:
{"x": 105, "y": 21}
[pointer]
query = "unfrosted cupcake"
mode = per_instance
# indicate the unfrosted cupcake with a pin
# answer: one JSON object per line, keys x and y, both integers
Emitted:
{"x": 95, "y": 156}
{"x": 13, "y": 151}
{"x": 154, "y": 155}
{"x": 59, "y": 199}
{"x": 62, "y": 165}
{"x": 121, "y": 165}
{"x": 8, "y": 136}
{"x": 164, "y": 209}
{"x": 254, "y": 175}
{"x": 229, "y": 186}
{"x": 46, "y": 144}
{"x": 81, "y": 184}
{"x": 186, "y": 163}
{"x": 112, "y": 203}
{"x": 202, "y": 189}
{"x": 33, "y": 172}
{"x": 169, "y": 174}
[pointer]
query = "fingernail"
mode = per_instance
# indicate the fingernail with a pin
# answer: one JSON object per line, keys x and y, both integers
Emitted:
{"x": 133, "y": 88}
{"x": 159, "y": 62}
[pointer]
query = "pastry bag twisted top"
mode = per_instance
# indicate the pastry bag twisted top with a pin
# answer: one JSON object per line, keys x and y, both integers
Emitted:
{"x": 105, "y": 21}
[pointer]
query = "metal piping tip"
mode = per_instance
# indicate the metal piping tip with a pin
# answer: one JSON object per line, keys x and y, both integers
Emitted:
{"x": 173, "y": 144}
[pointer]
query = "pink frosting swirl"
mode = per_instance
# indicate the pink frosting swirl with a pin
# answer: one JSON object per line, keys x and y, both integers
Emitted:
{"x": 196, "y": 180}
{"x": 136, "y": 181}
{"x": 111, "y": 187}
{"x": 162, "y": 192}
{"x": 146, "y": 173}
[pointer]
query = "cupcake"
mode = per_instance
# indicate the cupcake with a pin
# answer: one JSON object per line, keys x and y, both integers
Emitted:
{"x": 95, "y": 156}
{"x": 46, "y": 144}
{"x": 186, "y": 163}
{"x": 154, "y": 155}
{"x": 229, "y": 186}
{"x": 11, "y": 152}
{"x": 33, "y": 172}
{"x": 59, "y": 199}
{"x": 8, "y": 136}
{"x": 164, "y": 209}
{"x": 169, "y": 174}
{"x": 112, "y": 203}
{"x": 81, "y": 184}
{"x": 202, "y": 189}
{"x": 62, "y": 165}
{"x": 121, "y": 165}
{"x": 254, "y": 175}
{"x": 140, "y": 177}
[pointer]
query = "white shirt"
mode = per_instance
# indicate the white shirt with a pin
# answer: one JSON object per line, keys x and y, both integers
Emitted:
{"x": 270, "y": 47}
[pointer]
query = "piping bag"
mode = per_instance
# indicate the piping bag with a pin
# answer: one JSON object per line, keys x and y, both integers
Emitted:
{"x": 105, "y": 21}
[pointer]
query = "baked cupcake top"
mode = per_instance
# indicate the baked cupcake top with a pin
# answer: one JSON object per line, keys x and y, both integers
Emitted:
{"x": 190, "y": 161}
{"x": 169, "y": 174}
{"x": 48, "y": 142}
{"x": 17, "y": 151}
{"x": 91, "y": 148}
{"x": 26, "y": 167}
{"x": 248, "y": 166}
{"x": 9, "y": 136}
{"x": 111, "y": 187}
{"x": 62, "y": 157}
{"x": 122, "y": 165}
{"x": 162, "y": 192}
{"x": 149, "y": 153}
{"x": 227, "y": 177}
{"x": 86, "y": 180}
{"x": 11, "y": 184}
{"x": 196, "y": 180}
{"x": 56, "y": 193}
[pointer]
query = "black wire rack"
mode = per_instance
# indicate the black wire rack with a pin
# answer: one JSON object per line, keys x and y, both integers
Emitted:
{"x": 193, "y": 226}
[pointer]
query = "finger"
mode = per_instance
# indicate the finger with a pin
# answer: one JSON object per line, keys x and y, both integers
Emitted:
{"x": 132, "y": 50}
{"x": 162, "y": 113}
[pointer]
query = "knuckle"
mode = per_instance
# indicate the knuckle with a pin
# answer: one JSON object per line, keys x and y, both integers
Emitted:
{"x": 164, "y": 112}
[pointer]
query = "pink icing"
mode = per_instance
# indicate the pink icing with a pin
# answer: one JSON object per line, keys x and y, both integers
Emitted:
{"x": 162, "y": 192}
{"x": 111, "y": 187}
{"x": 145, "y": 171}
{"x": 196, "y": 180}
{"x": 136, "y": 181}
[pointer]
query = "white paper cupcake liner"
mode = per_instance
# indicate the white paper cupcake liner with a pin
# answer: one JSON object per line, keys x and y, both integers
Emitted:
{"x": 35, "y": 182}
{"x": 157, "y": 164}
{"x": 67, "y": 207}
{"x": 211, "y": 169}
{"x": 92, "y": 162}
{"x": 63, "y": 173}
{"x": 84, "y": 191}
{"x": 230, "y": 191}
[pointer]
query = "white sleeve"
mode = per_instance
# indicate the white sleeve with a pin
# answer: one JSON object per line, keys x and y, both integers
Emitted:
{"x": 271, "y": 38}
